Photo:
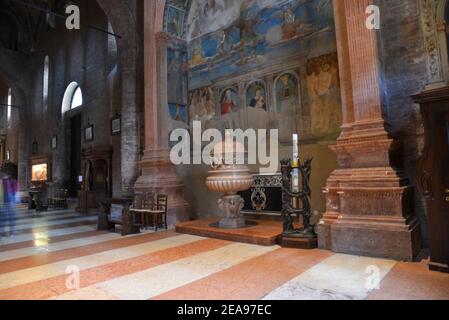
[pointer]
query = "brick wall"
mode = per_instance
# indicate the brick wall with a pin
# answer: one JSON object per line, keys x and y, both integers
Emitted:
{"x": 404, "y": 72}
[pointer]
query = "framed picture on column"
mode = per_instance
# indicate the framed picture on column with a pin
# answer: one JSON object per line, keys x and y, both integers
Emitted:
{"x": 89, "y": 133}
{"x": 116, "y": 125}
{"x": 54, "y": 142}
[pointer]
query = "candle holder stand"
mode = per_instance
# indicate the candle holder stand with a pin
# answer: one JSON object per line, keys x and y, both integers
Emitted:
{"x": 304, "y": 237}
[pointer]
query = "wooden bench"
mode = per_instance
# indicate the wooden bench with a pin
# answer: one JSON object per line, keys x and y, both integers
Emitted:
{"x": 110, "y": 216}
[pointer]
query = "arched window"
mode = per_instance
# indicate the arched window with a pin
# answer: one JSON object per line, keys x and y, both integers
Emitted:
{"x": 9, "y": 108}
{"x": 45, "y": 83}
{"x": 77, "y": 99}
{"x": 73, "y": 97}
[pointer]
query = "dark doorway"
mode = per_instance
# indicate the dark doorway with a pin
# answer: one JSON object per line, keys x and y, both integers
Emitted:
{"x": 75, "y": 154}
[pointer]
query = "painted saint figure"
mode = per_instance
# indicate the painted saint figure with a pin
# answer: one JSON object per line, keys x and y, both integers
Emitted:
{"x": 227, "y": 103}
{"x": 258, "y": 101}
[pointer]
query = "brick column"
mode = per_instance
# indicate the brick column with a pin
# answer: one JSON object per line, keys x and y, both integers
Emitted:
{"x": 157, "y": 171}
{"x": 369, "y": 204}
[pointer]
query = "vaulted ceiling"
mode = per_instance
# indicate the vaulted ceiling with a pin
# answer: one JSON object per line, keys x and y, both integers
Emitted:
{"x": 23, "y": 21}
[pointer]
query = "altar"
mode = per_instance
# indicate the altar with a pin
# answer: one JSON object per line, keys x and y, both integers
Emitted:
{"x": 264, "y": 199}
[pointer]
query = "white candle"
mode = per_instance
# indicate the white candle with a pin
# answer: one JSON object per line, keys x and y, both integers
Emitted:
{"x": 295, "y": 149}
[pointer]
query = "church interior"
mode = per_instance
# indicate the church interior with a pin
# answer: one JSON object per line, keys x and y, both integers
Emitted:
{"x": 97, "y": 94}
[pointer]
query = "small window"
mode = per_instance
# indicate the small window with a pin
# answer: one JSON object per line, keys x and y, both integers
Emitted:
{"x": 9, "y": 108}
{"x": 45, "y": 83}
{"x": 77, "y": 100}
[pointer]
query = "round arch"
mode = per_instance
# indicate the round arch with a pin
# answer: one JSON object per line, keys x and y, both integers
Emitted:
{"x": 68, "y": 97}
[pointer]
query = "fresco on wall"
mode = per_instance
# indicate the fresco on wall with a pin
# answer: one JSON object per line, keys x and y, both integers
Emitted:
{"x": 323, "y": 89}
{"x": 229, "y": 101}
{"x": 174, "y": 21}
{"x": 288, "y": 107}
{"x": 287, "y": 95}
{"x": 256, "y": 98}
{"x": 177, "y": 76}
{"x": 234, "y": 36}
{"x": 202, "y": 104}
{"x": 178, "y": 112}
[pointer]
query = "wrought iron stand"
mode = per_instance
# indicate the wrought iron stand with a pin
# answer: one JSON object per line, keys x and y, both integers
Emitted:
{"x": 304, "y": 237}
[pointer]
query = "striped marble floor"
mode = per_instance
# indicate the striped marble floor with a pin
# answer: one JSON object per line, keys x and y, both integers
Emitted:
{"x": 60, "y": 255}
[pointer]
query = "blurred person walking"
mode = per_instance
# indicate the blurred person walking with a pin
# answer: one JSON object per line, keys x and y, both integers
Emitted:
{"x": 9, "y": 193}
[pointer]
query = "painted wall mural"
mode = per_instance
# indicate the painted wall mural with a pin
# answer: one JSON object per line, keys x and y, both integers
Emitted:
{"x": 232, "y": 36}
{"x": 254, "y": 64}
{"x": 177, "y": 76}
{"x": 202, "y": 104}
{"x": 287, "y": 106}
{"x": 323, "y": 90}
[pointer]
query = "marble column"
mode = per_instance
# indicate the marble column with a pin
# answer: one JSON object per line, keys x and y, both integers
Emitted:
{"x": 369, "y": 204}
{"x": 157, "y": 171}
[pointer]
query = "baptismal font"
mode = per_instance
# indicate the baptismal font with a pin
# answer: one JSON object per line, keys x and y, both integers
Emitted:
{"x": 230, "y": 176}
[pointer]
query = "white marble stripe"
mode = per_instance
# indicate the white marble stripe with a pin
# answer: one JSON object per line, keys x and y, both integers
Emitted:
{"x": 17, "y": 278}
{"x": 46, "y": 218}
{"x": 158, "y": 280}
{"x": 41, "y": 236}
{"x": 54, "y": 223}
{"x": 340, "y": 277}
{"x": 32, "y": 213}
{"x": 64, "y": 245}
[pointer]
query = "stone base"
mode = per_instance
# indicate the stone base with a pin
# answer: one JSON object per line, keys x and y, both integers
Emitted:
{"x": 438, "y": 267}
{"x": 263, "y": 233}
{"x": 298, "y": 243}
{"x": 398, "y": 242}
{"x": 232, "y": 223}
{"x": 158, "y": 174}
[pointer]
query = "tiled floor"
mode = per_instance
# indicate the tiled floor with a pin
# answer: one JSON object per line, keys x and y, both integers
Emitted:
{"x": 42, "y": 260}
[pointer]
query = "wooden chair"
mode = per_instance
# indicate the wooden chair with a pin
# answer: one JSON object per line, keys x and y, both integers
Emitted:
{"x": 143, "y": 202}
{"x": 59, "y": 200}
{"x": 159, "y": 212}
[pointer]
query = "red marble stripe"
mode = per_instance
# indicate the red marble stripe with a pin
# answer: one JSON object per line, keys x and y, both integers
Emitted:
{"x": 412, "y": 281}
{"x": 56, "y": 286}
{"x": 31, "y": 243}
{"x": 250, "y": 280}
{"x": 51, "y": 257}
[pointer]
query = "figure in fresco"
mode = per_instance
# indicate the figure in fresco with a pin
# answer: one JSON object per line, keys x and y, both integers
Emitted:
{"x": 287, "y": 106}
{"x": 324, "y": 94}
{"x": 228, "y": 104}
{"x": 202, "y": 104}
{"x": 210, "y": 104}
{"x": 257, "y": 115}
{"x": 197, "y": 58}
{"x": 174, "y": 25}
{"x": 258, "y": 101}
{"x": 289, "y": 27}
{"x": 177, "y": 78}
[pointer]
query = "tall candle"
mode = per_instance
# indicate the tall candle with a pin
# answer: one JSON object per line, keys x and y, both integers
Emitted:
{"x": 295, "y": 171}
{"x": 295, "y": 150}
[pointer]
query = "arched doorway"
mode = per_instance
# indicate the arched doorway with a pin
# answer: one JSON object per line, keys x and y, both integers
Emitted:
{"x": 71, "y": 116}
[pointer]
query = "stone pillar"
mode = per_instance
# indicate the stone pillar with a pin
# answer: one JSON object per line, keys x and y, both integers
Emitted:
{"x": 369, "y": 204}
{"x": 157, "y": 171}
{"x": 24, "y": 156}
{"x": 130, "y": 136}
